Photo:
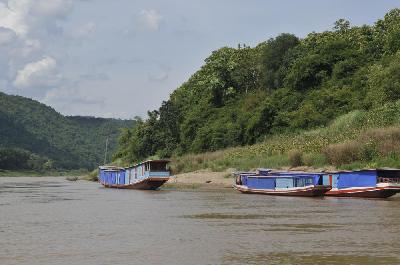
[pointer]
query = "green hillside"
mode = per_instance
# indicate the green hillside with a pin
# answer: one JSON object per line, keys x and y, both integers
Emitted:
{"x": 283, "y": 86}
{"x": 359, "y": 139}
{"x": 35, "y": 136}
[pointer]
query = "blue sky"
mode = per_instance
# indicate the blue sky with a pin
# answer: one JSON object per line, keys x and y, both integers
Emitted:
{"x": 122, "y": 58}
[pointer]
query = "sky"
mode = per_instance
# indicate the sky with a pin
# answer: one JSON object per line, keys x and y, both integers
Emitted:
{"x": 121, "y": 58}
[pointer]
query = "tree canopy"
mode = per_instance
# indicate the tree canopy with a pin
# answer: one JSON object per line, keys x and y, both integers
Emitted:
{"x": 244, "y": 95}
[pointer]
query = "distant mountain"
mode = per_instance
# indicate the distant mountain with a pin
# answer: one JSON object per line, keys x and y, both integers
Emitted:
{"x": 42, "y": 134}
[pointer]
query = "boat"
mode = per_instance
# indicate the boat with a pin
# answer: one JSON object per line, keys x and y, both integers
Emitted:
{"x": 147, "y": 175}
{"x": 369, "y": 183}
{"x": 281, "y": 183}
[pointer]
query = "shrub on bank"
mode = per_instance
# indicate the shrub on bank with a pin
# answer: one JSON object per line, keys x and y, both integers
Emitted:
{"x": 295, "y": 158}
{"x": 343, "y": 153}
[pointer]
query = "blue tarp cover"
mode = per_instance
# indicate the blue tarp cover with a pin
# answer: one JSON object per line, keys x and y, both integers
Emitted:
{"x": 122, "y": 177}
{"x": 316, "y": 176}
{"x": 112, "y": 177}
{"x": 260, "y": 183}
{"x": 357, "y": 179}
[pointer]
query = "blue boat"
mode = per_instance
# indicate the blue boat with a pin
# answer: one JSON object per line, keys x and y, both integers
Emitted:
{"x": 369, "y": 183}
{"x": 282, "y": 183}
{"x": 147, "y": 175}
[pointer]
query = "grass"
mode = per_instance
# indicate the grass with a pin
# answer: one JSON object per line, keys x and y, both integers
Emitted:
{"x": 359, "y": 139}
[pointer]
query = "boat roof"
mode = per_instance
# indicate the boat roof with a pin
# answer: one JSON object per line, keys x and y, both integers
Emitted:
{"x": 237, "y": 173}
{"x": 281, "y": 176}
{"x": 271, "y": 171}
{"x": 150, "y": 160}
{"x": 265, "y": 169}
{"x": 106, "y": 167}
{"x": 363, "y": 170}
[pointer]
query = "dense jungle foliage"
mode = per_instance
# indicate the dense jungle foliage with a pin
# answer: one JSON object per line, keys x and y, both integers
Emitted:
{"x": 244, "y": 95}
{"x": 35, "y": 136}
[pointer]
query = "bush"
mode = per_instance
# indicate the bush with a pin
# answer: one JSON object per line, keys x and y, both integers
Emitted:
{"x": 314, "y": 159}
{"x": 343, "y": 153}
{"x": 384, "y": 140}
{"x": 93, "y": 176}
{"x": 295, "y": 158}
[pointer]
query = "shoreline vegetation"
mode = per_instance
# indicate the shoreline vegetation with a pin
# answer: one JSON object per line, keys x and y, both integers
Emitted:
{"x": 33, "y": 173}
{"x": 357, "y": 140}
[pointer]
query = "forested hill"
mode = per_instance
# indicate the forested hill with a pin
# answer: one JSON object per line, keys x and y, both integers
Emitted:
{"x": 35, "y": 136}
{"x": 244, "y": 95}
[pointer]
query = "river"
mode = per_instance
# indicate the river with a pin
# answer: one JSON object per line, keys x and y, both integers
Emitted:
{"x": 53, "y": 221}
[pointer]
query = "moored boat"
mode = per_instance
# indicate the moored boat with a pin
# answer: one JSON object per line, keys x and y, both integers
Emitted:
{"x": 298, "y": 184}
{"x": 147, "y": 175}
{"x": 369, "y": 183}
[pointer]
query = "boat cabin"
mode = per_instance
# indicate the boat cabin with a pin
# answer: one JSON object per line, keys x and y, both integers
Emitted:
{"x": 315, "y": 178}
{"x": 279, "y": 181}
{"x": 117, "y": 176}
{"x": 361, "y": 178}
{"x": 111, "y": 175}
{"x": 149, "y": 168}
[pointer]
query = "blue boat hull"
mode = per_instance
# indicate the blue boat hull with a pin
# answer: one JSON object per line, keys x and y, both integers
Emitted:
{"x": 145, "y": 184}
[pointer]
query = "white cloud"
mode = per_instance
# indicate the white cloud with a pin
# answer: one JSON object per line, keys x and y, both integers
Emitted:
{"x": 42, "y": 72}
{"x": 13, "y": 15}
{"x": 149, "y": 20}
{"x": 29, "y": 17}
{"x": 25, "y": 27}
{"x": 7, "y": 36}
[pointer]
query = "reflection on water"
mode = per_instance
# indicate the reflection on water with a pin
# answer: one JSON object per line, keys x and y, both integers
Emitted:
{"x": 54, "y": 221}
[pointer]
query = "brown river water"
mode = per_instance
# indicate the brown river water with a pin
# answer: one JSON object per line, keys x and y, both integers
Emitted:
{"x": 53, "y": 221}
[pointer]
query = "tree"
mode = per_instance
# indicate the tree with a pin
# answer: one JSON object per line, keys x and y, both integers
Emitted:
{"x": 273, "y": 59}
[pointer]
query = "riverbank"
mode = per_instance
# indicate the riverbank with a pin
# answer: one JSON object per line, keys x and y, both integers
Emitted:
{"x": 207, "y": 178}
{"x": 201, "y": 179}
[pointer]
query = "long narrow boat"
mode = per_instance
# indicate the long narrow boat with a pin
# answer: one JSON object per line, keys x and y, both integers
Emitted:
{"x": 147, "y": 175}
{"x": 372, "y": 183}
{"x": 299, "y": 184}
{"x": 368, "y": 183}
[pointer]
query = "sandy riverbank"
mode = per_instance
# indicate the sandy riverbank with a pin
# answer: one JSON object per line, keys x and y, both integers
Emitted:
{"x": 202, "y": 179}
{"x": 209, "y": 179}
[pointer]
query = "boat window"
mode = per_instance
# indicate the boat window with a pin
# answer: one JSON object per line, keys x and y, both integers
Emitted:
{"x": 158, "y": 166}
{"x": 389, "y": 180}
{"x": 309, "y": 181}
{"x": 302, "y": 182}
